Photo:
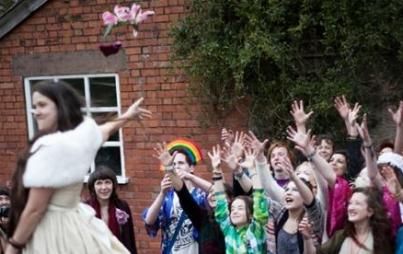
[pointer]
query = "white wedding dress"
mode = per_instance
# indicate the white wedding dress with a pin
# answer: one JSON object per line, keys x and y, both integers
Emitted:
{"x": 61, "y": 160}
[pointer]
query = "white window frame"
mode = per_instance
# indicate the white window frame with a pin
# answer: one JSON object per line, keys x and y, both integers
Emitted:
{"x": 87, "y": 109}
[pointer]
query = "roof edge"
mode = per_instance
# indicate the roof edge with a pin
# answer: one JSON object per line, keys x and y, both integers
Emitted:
{"x": 18, "y": 13}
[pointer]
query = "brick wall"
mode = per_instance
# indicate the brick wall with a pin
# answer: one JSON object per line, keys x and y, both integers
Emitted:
{"x": 74, "y": 26}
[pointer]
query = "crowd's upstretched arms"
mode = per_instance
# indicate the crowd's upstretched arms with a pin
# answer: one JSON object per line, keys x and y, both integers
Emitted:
{"x": 233, "y": 152}
{"x": 353, "y": 143}
{"x": 269, "y": 184}
{"x": 303, "y": 142}
{"x": 253, "y": 236}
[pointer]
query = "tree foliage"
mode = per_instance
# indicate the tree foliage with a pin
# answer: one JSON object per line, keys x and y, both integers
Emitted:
{"x": 275, "y": 51}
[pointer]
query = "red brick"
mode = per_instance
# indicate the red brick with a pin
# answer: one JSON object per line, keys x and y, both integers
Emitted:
{"x": 67, "y": 26}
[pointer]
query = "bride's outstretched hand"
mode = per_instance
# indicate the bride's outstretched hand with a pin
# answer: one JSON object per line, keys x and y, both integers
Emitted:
{"x": 135, "y": 111}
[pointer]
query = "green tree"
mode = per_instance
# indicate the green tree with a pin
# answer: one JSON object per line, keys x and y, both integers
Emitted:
{"x": 275, "y": 51}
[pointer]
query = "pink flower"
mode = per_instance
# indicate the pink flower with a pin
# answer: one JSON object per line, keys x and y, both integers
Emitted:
{"x": 121, "y": 216}
{"x": 137, "y": 15}
{"x": 123, "y": 13}
{"x": 142, "y": 16}
{"x": 109, "y": 18}
{"x": 134, "y": 11}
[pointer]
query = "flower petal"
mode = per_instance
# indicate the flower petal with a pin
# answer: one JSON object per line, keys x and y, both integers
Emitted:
{"x": 109, "y": 18}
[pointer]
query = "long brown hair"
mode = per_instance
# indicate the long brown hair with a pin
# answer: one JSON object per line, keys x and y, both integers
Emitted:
{"x": 379, "y": 223}
{"x": 69, "y": 116}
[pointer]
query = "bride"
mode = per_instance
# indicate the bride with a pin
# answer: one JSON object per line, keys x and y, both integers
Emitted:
{"x": 46, "y": 214}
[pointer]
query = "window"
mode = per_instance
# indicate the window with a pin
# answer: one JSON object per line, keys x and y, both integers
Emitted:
{"x": 101, "y": 96}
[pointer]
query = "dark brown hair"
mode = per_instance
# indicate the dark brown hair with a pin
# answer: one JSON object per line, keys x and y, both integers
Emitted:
{"x": 69, "y": 116}
{"x": 248, "y": 206}
{"x": 324, "y": 137}
{"x": 102, "y": 172}
{"x": 379, "y": 223}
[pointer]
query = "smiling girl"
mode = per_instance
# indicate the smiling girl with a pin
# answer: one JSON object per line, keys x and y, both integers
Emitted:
{"x": 243, "y": 224}
{"x": 368, "y": 228}
{"x": 114, "y": 211}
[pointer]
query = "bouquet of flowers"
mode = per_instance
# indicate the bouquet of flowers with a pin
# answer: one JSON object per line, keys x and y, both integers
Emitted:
{"x": 122, "y": 15}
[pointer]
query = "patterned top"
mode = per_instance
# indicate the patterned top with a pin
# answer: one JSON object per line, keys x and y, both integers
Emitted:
{"x": 248, "y": 239}
{"x": 168, "y": 218}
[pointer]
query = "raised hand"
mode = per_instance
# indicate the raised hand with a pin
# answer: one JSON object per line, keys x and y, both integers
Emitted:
{"x": 215, "y": 157}
{"x": 287, "y": 166}
{"x": 135, "y": 111}
{"x": 253, "y": 142}
{"x": 303, "y": 141}
{"x": 162, "y": 154}
{"x": 182, "y": 174}
{"x": 298, "y": 113}
{"x": 166, "y": 184}
{"x": 392, "y": 183}
{"x": 363, "y": 131}
{"x": 227, "y": 136}
{"x": 353, "y": 114}
{"x": 342, "y": 106}
{"x": 249, "y": 160}
{"x": 397, "y": 116}
{"x": 305, "y": 228}
{"x": 237, "y": 146}
{"x": 230, "y": 159}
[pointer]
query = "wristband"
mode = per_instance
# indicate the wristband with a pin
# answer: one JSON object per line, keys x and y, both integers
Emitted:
{"x": 238, "y": 176}
{"x": 16, "y": 245}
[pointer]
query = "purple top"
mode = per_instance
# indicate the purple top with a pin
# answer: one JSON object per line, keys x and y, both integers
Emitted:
{"x": 282, "y": 182}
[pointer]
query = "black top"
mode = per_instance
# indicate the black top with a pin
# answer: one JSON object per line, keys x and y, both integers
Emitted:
{"x": 211, "y": 239}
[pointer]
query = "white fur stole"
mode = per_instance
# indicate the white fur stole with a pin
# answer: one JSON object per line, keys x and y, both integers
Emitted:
{"x": 63, "y": 158}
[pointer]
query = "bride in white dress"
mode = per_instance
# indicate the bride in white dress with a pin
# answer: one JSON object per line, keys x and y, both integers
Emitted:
{"x": 46, "y": 215}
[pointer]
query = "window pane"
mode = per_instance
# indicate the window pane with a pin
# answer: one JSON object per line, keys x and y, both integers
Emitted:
{"x": 35, "y": 125}
{"x": 109, "y": 156}
{"x": 106, "y": 116}
{"x": 77, "y": 84}
{"x": 103, "y": 92}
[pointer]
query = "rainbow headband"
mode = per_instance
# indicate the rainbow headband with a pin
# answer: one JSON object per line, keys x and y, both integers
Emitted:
{"x": 191, "y": 149}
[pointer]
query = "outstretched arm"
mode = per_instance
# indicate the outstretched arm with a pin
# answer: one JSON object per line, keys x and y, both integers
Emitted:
{"x": 32, "y": 214}
{"x": 397, "y": 118}
{"x": 155, "y": 207}
{"x": 306, "y": 194}
{"x": 370, "y": 159}
{"x": 273, "y": 190}
{"x": 347, "y": 114}
{"x": 232, "y": 155}
{"x": 299, "y": 115}
{"x": 303, "y": 143}
{"x": 132, "y": 112}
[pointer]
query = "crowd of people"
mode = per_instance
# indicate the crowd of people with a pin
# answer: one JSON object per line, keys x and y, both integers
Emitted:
{"x": 311, "y": 198}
